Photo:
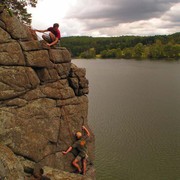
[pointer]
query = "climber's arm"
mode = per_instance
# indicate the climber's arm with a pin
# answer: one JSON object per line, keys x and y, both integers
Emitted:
{"x": 68, "y": 150}
{"x": 86, "y": 130}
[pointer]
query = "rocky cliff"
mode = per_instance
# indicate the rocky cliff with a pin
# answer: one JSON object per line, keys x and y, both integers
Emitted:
{"x": 43, "y": 103}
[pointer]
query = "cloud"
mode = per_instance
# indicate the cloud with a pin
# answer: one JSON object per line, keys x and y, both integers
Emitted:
{"x": 109, "y": 18}
{"x": 120, "y": 11}
{"x": 173, "y": 14}
{"x": 119, "y": 17}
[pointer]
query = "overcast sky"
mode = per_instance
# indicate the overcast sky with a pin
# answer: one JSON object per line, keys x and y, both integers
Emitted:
{"x": 108, "y": 17}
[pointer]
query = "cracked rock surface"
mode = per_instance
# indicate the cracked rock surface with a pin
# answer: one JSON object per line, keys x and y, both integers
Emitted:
{"x": 43, "y": 102}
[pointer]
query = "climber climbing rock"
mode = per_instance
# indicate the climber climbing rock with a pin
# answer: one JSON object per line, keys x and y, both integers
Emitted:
{"x": 81, "y": 147}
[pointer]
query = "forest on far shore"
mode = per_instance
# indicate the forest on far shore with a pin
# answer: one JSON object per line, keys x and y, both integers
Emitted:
{"x": 127, "y": 47}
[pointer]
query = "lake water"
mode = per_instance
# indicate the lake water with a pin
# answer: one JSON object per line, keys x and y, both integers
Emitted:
{"x": 134, "y": 111}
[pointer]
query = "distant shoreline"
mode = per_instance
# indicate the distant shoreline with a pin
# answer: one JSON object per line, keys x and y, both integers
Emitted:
{"x": 126, "y": 47}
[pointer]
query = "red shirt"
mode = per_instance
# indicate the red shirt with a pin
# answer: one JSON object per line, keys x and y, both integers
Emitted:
{"x": 55, "y": 32}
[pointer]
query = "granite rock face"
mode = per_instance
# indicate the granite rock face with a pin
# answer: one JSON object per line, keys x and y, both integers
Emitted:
{"x": 43, "y": 103}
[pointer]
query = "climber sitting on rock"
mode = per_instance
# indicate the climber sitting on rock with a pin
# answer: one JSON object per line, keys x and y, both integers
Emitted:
{"x": 81, "y": 147}
{"x": 54, "y": 34}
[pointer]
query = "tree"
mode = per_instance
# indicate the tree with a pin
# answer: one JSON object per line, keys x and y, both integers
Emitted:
{"x": 118, "y": 53}
{"x": 176, "y": 51}
{"x": 151, "y": 47}
{"x": 127, "y": 53}
{"x": 110, "y": 53}
{"x": 146, "y": 53}
{"x": 90, "y": 53}
{"x": 138, "y": 50}
{"x": 172, "y": 50}
{"x": 19, "y": 8}
{"x": 168, "y": 49}
{"x": 156, "y": 50}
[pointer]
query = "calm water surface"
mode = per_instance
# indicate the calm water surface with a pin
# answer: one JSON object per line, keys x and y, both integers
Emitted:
{"x": 134, "y": 110}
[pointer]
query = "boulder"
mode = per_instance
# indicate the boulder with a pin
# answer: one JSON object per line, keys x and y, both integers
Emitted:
{"x": 10, "y": 167}
{"x": 4, "y": 36}
{"x": 38, "y": 58}
{"x": 30, "y": 45}
{"x": 16, "y": 80}
{"x": 57, "y": 56}
{"x": 13, "y": 26}
{"x": 78, "y": 81}
{"x": 11, "y": 54}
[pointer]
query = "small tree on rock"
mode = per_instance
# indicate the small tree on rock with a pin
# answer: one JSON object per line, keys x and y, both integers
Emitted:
{"x": 19, "y": 8}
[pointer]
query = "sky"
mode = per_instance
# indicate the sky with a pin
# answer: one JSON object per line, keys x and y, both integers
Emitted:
{"x": 106, "y": 18}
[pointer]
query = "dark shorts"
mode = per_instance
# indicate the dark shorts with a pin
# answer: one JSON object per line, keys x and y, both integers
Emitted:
{"x": 79, "y": 158}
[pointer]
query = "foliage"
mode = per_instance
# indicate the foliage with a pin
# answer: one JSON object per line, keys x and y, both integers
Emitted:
{"x": 138, "y": 50}
{"x": 156, "y": 50}
{"x": 127, "y": 53}
{"x": 19, "y": 8}
{"x": 138, "y": 47}
{"x": 90, "y": 53}
{"x": 111, "y": 53}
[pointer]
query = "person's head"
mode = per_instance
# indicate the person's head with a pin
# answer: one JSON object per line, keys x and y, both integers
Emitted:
{"x": 55, "y": 25}
{"x": 78, "y": 135}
